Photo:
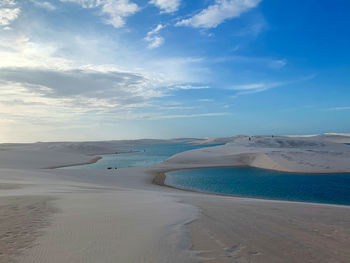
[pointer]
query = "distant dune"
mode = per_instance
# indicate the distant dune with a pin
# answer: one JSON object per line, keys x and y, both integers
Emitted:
{"x": 314, "y": 154}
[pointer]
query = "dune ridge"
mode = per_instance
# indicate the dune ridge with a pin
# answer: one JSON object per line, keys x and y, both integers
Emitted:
{"x": 300, "y": 155}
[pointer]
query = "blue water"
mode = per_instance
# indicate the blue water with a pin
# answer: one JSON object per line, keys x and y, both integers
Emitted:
{"x": 259, "y": 183}
{"x": 146, "y": 155}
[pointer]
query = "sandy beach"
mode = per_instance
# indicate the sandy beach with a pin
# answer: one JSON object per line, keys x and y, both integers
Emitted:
{"x": 60, "y": 215}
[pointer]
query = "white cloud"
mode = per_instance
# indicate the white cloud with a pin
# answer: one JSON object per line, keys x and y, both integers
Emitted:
{"x": 38, "y": 92}
{"x": 17, "y": 50}
{"x": 255, "y": 88}
{"x": 154, "y": 116}
{"x": 115, "y": 10}
{"x": 43, "y": 4}
{"x": 340, "y": 108}
{"x": 118, "y": 10}
{"x": 205, "y": 100}
{"x": 245, "y": 61}
{"x": 166, "y": 6}
{"x": 86, "y": 3}
{"x": 67, "y": 79}
{"x": 8, "y": 12}
{"x": 278, "y": 64}
{"x": 197, "y": 115}
{"x": 153, "y": 38}
{"x": 65, "y": 53}
{"x": 156, "y": 41}
{"x": 263, "y": 86}
{"x": 7, "y": 3}
{"x": 178, "y": 108}
{"x": 217, "y": 13}
{"x": 7, "y": 15}
{"x": 33, "y": 95}
{"x": 188, "y": 87}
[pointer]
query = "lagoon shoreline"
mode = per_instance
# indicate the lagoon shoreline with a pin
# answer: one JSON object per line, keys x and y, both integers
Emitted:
{"x": 164, "y": 224}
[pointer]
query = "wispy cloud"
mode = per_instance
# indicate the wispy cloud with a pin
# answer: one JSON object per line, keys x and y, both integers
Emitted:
{"x": 67, "y": 92}
{"x": 217, "y": 13}
{"x": 255, "y": 88}
{"x": 115, "y": 10}
{"x": 205, "y": 100}
{"x": 181, "y": 116}
{"x": 264, "y": 86}
{"x": 340, "y": 108}
{"x": 7, "y": 2}
{"x": 166, "y": 6}
{"x": 121, "y": 89}
{"x": 44, "y": 4}
{"x": 17, "y": 50}
{"x": 278, "y": 64}
{"x": 35, "y": 96}
{"x": 86, "y": 3}
{"x": 188, "y": 87}
{"x": 178, "y": 108}
{"x": 153, "y": 38}
{"x": 273, "y": 63}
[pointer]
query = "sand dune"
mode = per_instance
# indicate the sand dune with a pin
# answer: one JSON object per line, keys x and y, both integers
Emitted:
{"x": 56, "y": 154}
{"x": 278, "y": 153}
{"x": 119, "y": 216}
{"x": 330, "y": 137}
{"x": 21, "y": 219}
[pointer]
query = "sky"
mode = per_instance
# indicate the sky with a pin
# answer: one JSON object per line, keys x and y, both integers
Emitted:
{"x": 126, "y": 69}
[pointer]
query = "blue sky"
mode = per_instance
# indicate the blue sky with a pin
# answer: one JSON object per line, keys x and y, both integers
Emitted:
{"x": 123, "y": 69}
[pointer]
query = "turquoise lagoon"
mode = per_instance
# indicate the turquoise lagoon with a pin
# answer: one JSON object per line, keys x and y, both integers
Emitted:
{"x": 259, "y": 183}
{"x": 143, "y": 155}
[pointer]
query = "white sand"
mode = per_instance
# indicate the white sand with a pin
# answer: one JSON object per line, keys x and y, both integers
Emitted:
{"x": 98, "y": 222}
{"x": 119, "y": 216}
{"x": 310, "y": 155}
{"x": 329, "y": 137}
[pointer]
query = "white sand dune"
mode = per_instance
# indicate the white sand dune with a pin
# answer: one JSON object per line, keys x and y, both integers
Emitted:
{"x": 310, "y": 155}
{"x": 83, "y": 216}
{"x": 93, "y": 220}
{"x": 330, "y": 137}
{"x": 55, "y": 154}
